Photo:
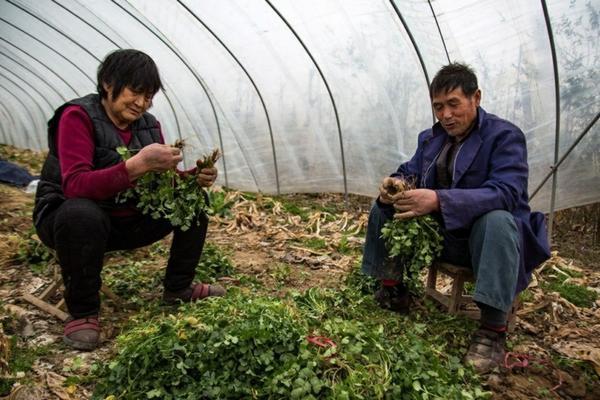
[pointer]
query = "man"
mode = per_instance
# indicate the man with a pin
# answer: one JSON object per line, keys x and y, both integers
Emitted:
{"x": 471, "y": 174}
{"x": 75, "y": 209}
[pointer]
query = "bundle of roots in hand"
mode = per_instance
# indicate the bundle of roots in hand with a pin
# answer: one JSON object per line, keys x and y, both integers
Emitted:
{"x": 170, "y": 194}
{"x": 414, "y": 242}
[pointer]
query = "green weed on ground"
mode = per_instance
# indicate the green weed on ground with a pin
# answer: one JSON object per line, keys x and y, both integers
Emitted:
{"x": 32, "y": 252}
{"x": 576, "y": 294}
{"x": 20, "y": 362}
{"x": 214, "y": 264}
{"x": 138, "y": 281}
{"x": 579, "y": 295}
{"x": 219, "y": 206}
{"x": 134, "y": 281}
{"x": 360, "y": 282}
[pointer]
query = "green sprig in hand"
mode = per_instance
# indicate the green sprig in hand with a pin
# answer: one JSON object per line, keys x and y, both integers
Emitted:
{"x": 416, "y": 241}
{"x": 175, "y": 196}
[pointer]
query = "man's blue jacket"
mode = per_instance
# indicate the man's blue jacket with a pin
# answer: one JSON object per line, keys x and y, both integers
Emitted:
{"x": 490, "y": 173}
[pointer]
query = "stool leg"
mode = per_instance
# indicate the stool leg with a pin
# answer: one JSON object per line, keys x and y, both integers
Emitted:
{"x": 432, "y": 277}
{"x": 512, "y": 315}
{"x": 456, "y": 294}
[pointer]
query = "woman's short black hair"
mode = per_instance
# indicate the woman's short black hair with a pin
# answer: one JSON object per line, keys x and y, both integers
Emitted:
{"x": 452, "y": 76}
{"x": 128, "y": 68}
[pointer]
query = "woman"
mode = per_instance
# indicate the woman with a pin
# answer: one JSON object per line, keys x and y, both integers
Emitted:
{"x": 75, "y": 209}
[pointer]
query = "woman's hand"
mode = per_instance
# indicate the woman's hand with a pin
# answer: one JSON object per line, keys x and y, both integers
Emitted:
{"x": 207, "y": 176}
{"x": 154, "y": 157}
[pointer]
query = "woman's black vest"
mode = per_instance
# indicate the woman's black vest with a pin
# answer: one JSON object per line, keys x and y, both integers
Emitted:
{"x": 49, "y": 193}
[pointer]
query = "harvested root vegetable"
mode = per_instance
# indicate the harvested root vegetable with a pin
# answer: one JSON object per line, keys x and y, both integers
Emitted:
{"x": 396, "y": 185}
{"x": 208, "y": 161}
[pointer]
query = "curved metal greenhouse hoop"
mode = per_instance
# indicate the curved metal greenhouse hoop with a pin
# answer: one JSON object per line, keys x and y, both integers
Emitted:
{"x": 439, "y": 30}
{"x": 12, "y": 121}
{"x": 557, "y": 122}
{"x": 564, "y": 156}
{"x": 416, "y": 47}
{"x": 49, "y": 47}
{"x": 26, "y": 109}
{"x": 40, "y": 62}
{"x": 38, "y": 105}
{"x": 198, "y": 79}
{"x": 253, "y": 84}
{"x": 70, "y": 39}
{"x": 117, "y": 45}
{"x": 30, "y": 86}
{"x": 337, "y": 118}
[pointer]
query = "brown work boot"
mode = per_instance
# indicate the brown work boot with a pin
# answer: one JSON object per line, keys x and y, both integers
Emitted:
{"x": 395, "y": 298}
{"x": 196, "y": 291}
{"x": 486, "y": 351}
{"x": 82, "y": 333}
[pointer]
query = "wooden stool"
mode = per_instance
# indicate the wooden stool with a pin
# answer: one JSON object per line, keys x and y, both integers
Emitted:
{"x": 42, "y": 301}
{"x": 452, "y": 302}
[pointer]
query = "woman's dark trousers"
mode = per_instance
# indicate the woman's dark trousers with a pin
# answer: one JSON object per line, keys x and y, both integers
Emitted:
{"x": 81, "y": 233}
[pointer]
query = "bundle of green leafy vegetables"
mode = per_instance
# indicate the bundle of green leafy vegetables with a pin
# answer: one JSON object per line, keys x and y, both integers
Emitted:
{"x": 414, "y": 242}
{"x": 170, "y": 194}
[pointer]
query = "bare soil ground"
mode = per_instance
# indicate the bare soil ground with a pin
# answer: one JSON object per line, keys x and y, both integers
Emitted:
{"x": 294, "y": 241}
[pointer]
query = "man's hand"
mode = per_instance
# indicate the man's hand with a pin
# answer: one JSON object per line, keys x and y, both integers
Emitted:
{"x": 154, "y": 157}
{"x": 416, "y": 202}
{"x": 385, "y": 196}
{"x": 207, "y": 176}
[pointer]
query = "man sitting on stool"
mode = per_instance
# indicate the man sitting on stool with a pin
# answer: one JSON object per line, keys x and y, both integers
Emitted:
{"x": 471, "y": 174}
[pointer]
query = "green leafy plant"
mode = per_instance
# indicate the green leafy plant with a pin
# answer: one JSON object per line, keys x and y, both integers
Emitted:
{"x": 213, "y": 264}
{"x": 175, "y": 196}
{"x": 133, "y": 281}
{"x": 344, "y": 246}
{"x": 219, "y": 204}
{"x": 20, "y": 361}
{"x": 579, "y": 295}
{"x": 289, "y": 207}
{"x": 281, "y": 274}
{"x": 33, "y": 252}
{"x": 576, "y": 294}
{"x": 357, "y": 280}
{"x": 315, "y": 243}
{"x": 137, "y": 281}
{"x": 416, "y": 242}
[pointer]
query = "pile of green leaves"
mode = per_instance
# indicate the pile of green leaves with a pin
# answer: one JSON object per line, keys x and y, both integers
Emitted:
{"x": 229, "y": 348}
{"x": 314, "y": 345}
{"x": 169, "y": 194}
{"x": 416, "y": 242}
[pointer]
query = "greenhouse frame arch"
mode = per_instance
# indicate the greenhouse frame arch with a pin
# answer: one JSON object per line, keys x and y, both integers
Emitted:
{"x": 321, "y": 96}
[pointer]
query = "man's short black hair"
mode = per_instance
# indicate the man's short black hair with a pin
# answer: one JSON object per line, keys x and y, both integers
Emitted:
{"x": 128, "y": 68}
{"x": 452, "y": 76}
